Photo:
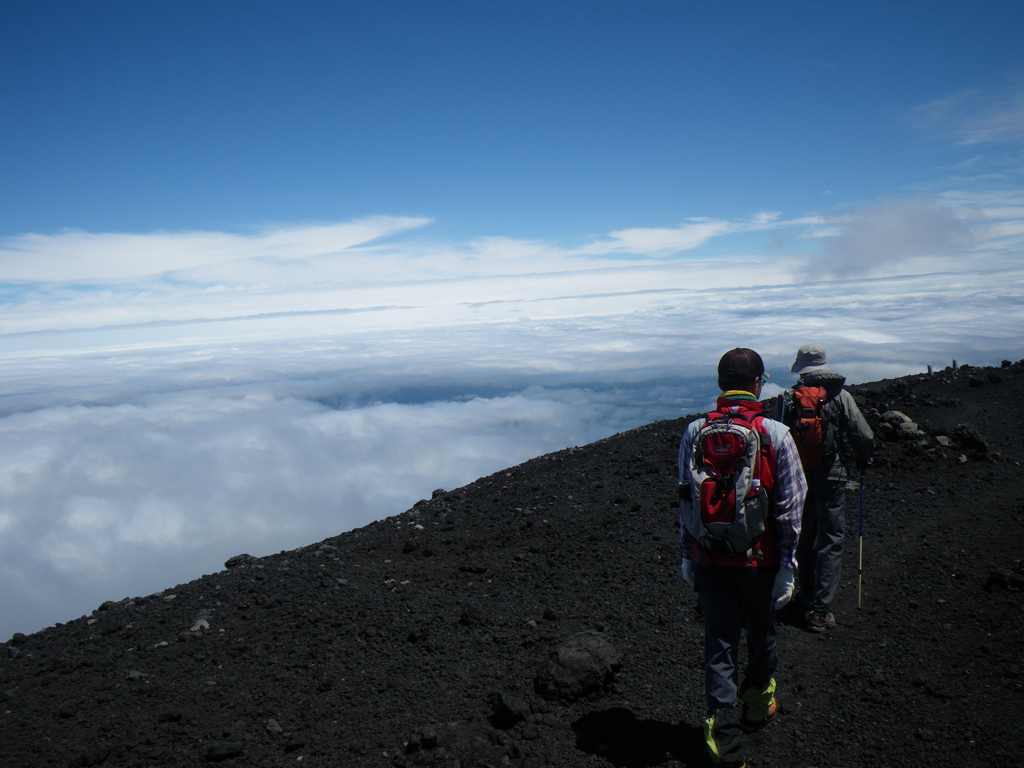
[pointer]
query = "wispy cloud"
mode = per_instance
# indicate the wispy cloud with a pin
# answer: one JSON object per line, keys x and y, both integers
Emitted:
{"x": 99, "y": 258}
{"x": 286, "y": 281}
{"x": 993, "y": 115}
{"x": 660, "y": 241}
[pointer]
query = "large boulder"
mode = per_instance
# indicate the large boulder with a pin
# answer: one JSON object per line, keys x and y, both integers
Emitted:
{"x": 583, "y": 664}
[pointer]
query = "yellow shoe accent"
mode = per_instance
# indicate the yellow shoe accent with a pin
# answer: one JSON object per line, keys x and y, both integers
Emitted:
{"x": 712, "y": 745}
{"x": 759, "y": 707}
{"x": 709, "y": 739}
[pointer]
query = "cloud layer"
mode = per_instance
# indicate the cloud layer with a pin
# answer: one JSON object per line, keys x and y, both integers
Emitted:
{"x": 127, "y": 472}
{"x": 171, "y": 400}
{"x": 285, "y": 282}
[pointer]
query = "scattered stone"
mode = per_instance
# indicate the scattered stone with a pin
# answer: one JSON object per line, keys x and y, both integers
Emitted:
{"x": 585, "y": 663}
{"x": 908, "y": 430}
{"x": 1004, "y": 580}
{"x": 507, "y": 710}
{"x": 417, "y": 634}
{"x": 472, "y": 615}
{"x": 224, "y": 750}
{"x": 460, "y": 743}
{"x": 237, "y": 560}
{"x": 969, "y": 437}
{"x": 896, "y": 417}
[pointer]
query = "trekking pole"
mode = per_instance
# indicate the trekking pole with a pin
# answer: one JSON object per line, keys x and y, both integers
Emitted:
{"x": 860, "y": 565}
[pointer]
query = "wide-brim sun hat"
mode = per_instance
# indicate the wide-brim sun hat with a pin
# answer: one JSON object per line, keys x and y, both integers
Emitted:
{"x": 810, "y": 358}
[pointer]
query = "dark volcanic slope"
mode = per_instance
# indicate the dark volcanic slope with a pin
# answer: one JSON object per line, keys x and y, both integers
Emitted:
{"x": 419, "y": 640}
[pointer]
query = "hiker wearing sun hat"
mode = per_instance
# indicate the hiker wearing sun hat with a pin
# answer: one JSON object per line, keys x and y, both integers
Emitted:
{"x": 822, "y": 416}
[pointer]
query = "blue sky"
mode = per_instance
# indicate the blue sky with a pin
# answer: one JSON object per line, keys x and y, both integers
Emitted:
{"x": 269, "y": 271}
{"x": 527, "y": 119}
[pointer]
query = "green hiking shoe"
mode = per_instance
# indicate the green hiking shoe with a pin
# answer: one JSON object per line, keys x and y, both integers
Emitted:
{"x": 759, "y": 707}
{"x": 724, "y": 739}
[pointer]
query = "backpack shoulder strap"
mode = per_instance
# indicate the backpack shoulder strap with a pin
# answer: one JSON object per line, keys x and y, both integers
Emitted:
{"x": 762, "y": 430}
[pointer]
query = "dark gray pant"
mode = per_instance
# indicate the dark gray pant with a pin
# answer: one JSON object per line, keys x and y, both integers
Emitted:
{"x": 731, "y": 599}
{"x": 819, "y": 553}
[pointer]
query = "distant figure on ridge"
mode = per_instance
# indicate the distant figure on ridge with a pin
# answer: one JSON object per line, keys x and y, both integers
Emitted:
{"x": 741, "y": 491}
{"x": 820, "y": 415}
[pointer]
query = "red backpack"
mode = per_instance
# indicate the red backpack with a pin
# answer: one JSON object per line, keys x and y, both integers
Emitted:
{"x": 807, "y": 419}
{"x": 731, "y": 476}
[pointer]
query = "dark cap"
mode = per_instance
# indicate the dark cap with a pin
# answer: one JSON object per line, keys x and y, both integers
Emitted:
{"x": 739, "y": 366}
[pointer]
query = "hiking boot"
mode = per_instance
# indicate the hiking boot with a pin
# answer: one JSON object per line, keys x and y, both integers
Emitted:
{"x": 759, "y": 707}
{"x": 819, "y": 621}
{"x": 724, "y": 739}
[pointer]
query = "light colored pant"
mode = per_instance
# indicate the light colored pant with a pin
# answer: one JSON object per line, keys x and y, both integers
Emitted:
{"x": 819, "y": 552}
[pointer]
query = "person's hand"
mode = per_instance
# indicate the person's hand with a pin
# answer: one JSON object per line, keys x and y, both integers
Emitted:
{"x": 686, "y": 566}
{"x": 863, "y": 464}
{"x": 782, "y": 590}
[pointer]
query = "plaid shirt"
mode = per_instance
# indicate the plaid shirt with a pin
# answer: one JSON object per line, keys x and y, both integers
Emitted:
{"x": 787, "y": 496}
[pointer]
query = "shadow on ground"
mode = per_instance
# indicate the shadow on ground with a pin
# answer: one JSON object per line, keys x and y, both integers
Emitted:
{"x": 617, "y": 736}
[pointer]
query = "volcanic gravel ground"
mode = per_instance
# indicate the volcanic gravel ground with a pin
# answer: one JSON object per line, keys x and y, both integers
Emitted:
{"x": 428, "y": 638}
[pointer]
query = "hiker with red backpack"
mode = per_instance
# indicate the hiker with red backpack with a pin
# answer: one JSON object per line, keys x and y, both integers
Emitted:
{"x": 741, "y": 491}
{"x": 822, "y": 416}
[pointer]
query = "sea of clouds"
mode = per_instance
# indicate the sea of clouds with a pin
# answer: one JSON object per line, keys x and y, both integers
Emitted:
{"x": 170, "y": 401}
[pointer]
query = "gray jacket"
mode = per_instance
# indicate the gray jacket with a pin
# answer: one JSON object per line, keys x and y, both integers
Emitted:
{"x": 844, "y": 413}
